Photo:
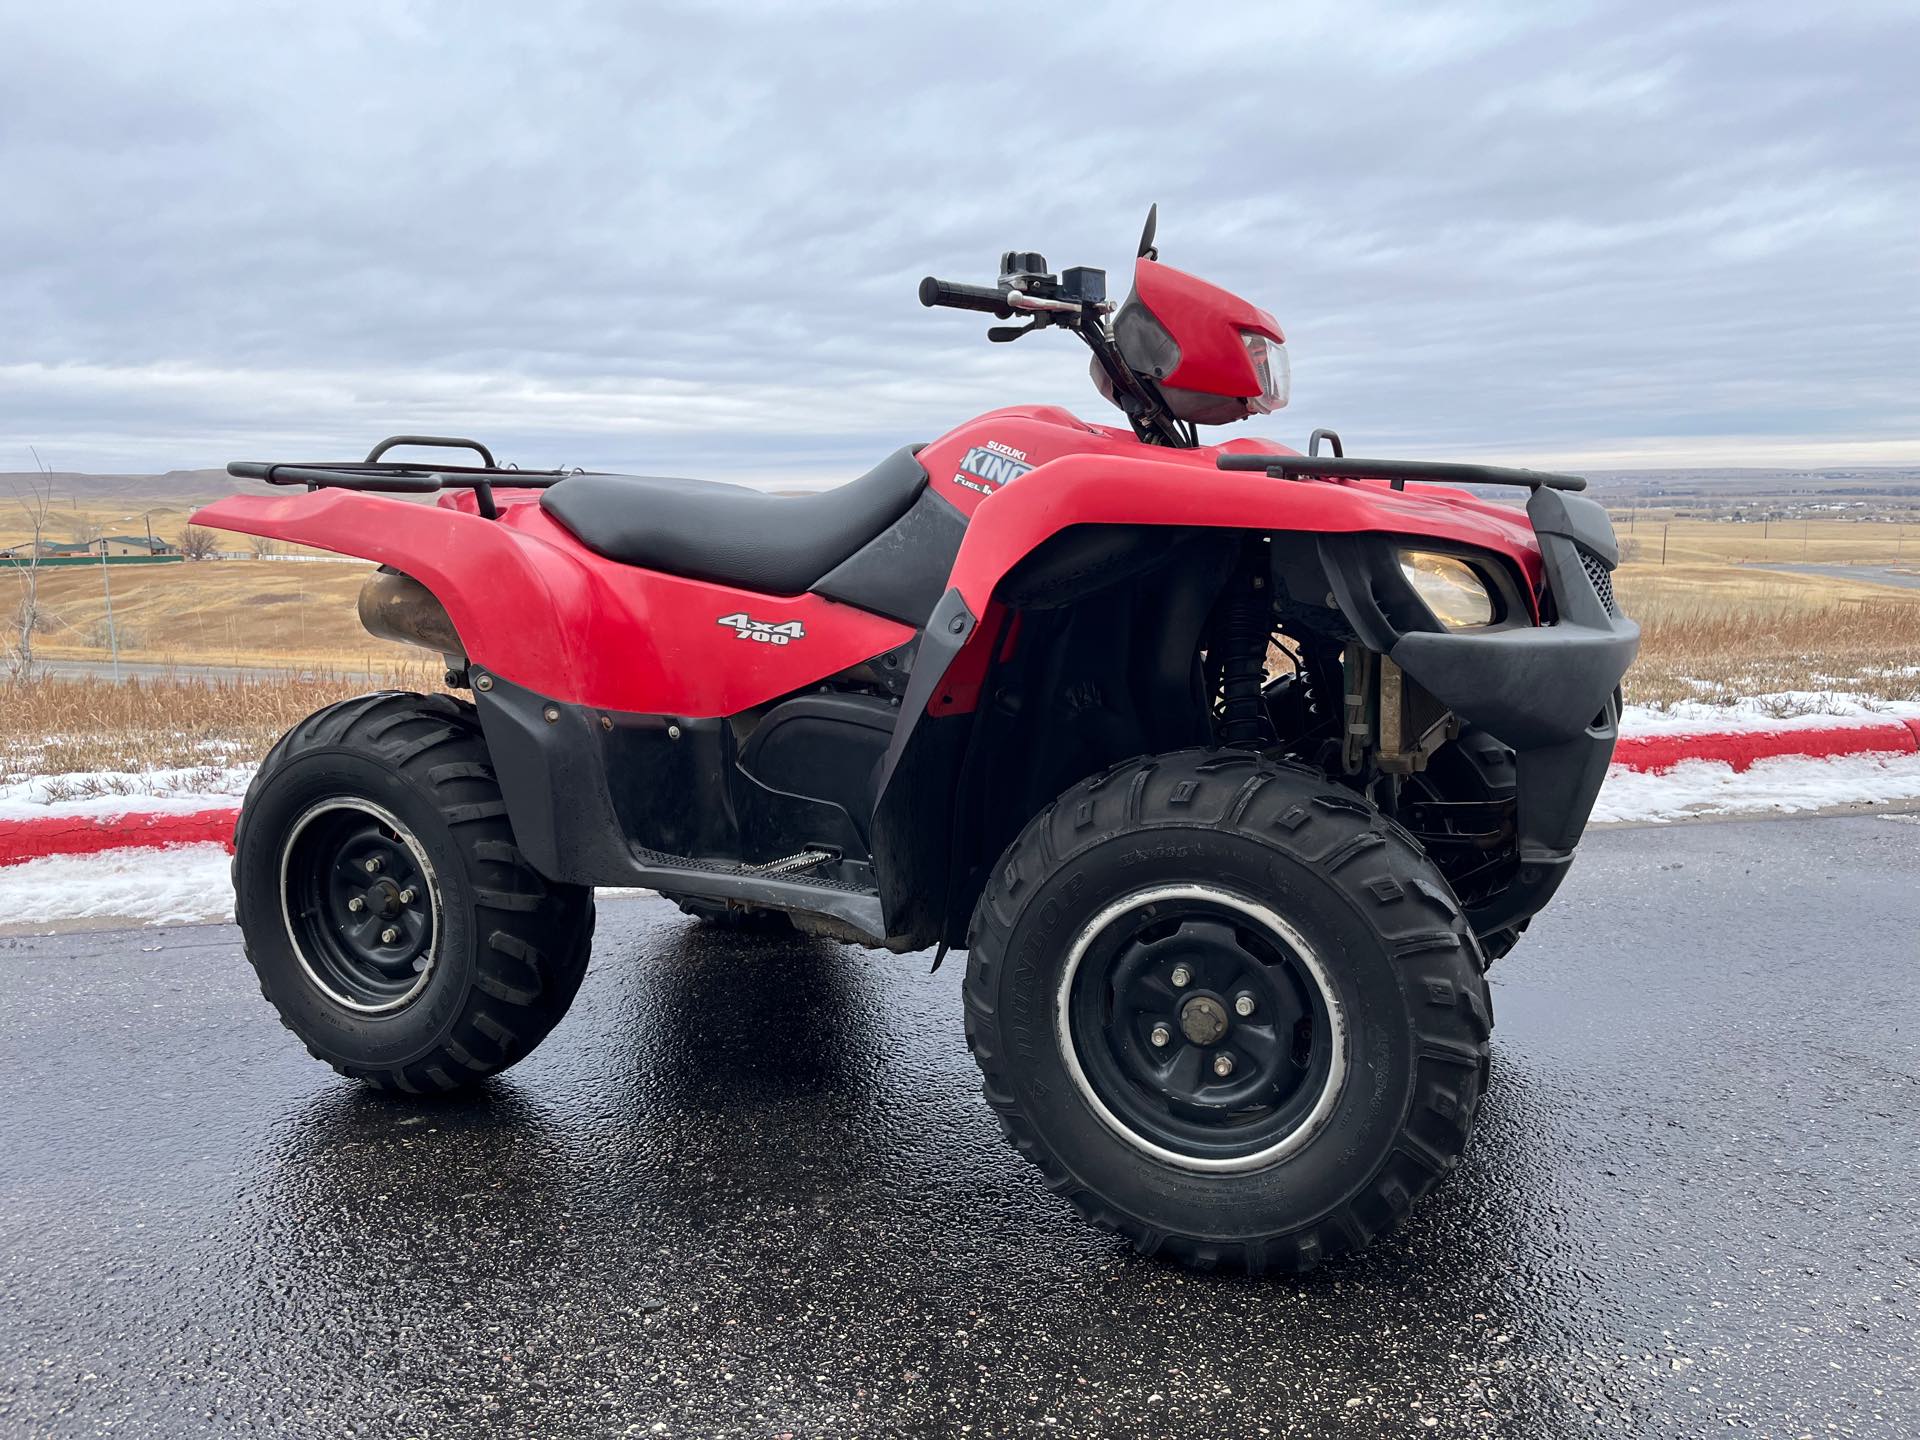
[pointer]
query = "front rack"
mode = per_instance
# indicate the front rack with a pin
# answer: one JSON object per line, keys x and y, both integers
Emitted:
{"x": 1397, "y": 472}
{"x": 396, "y": 478}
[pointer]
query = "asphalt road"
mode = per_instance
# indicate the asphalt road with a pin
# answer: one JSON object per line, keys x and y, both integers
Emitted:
{"x": 1904, "y": 577}
{"x": 752, "y": 1190}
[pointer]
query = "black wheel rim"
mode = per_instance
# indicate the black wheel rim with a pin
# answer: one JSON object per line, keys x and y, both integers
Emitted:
{"x": 361, "y": 905}
{"x": 1203, "y": 1028}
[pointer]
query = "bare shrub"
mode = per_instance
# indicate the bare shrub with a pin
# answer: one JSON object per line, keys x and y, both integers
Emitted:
{"x": 35, "y": 501}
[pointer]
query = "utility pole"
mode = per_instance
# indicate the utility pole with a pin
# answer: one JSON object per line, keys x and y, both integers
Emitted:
{"x": 1663, "y": 542}
{"x": 106, "y": 585}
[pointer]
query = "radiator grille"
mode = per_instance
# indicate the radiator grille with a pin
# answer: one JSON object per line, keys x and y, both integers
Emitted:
{"x": 1602, "y": 580}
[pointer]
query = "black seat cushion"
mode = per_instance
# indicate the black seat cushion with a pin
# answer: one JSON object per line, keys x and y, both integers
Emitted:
{"x": 729, "y": 534}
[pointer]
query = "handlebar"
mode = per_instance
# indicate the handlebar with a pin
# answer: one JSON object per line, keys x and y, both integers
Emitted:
{"x": 964, "y": 297}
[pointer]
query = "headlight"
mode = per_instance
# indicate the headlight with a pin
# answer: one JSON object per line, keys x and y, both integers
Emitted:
{"x": 1272, "y": 369}
{"x": 1451, "y": 588}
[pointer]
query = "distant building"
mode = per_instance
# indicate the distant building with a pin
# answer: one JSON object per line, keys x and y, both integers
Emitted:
{"x": 109, "y": 545}
{"x": 132, "y": 545}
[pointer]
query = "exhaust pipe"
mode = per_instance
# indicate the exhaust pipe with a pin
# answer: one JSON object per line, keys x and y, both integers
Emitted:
{"x": 398, "y": 607}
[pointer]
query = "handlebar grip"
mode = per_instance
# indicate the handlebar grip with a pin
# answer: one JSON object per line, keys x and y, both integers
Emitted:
{"x": 964, "y": 297}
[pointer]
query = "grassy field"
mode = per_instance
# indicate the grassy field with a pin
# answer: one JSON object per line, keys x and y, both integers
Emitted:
{"x": 233, "y": 612}
{"x": 1648, "y": 536}
{"x": 1715, "y": 627}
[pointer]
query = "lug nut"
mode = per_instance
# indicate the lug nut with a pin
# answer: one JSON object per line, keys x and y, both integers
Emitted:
{"x": 1242, "y": 1003}
{"x": 1223, "y": 1065}
{"x": 406, "y": 898}
{"x": 1160, "y": 1036}
{"x": 373, "y": 866}
{"x": 356, "y": 904}
{"x": 390, "y": 934}
{"x": 1182, "y": 977}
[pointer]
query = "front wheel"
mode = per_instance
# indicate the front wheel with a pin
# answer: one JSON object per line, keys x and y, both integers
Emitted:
{"x": 392, "y": 921}
{"x": 1228, "y": 1009}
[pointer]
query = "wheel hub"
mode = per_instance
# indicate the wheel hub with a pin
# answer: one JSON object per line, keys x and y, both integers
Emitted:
{"x": 360, "y": 904}
{"x": 1201, "y": 1027}
{"x": 1203, "y": 1020}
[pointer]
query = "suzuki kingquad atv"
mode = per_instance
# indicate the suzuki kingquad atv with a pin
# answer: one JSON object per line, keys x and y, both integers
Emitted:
{"x": 1230, "y": 767}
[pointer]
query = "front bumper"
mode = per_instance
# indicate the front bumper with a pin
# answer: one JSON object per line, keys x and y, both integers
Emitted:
{"x": 1551, "y": 692}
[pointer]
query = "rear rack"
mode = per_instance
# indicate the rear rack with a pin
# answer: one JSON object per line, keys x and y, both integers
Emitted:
{"x": 1399, "y": 472}
{"x": 396, "y": 478}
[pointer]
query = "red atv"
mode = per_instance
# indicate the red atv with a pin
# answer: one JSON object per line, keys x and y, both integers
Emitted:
{"x": 1230, "y": 767}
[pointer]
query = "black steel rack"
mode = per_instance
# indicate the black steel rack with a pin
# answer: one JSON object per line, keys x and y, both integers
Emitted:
{"x": 1337, "y": 466}
{"x": 398, "y": 478}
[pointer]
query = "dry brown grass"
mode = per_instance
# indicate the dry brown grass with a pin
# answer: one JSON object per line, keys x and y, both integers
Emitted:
{"x": 61, "y": 727}
{"x": 232, "y": 612}
{"x": 1716, "y": 650}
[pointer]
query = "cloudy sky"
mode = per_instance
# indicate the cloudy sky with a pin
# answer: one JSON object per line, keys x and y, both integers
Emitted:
{"x": 684, "y": 238}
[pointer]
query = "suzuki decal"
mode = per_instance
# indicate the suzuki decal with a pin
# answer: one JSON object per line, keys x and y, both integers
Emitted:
{"x": 992, "y": 463}
{"x": 766, "y": 632}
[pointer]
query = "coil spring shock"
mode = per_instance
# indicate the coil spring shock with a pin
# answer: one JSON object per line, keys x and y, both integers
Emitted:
{"x": 1246, "y": 629}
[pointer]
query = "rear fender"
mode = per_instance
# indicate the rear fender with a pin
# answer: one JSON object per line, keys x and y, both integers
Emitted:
{"x": 535, "y": 607}
{"x": 505, "y": 604}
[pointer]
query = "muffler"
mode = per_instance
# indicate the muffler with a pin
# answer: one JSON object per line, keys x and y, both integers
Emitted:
{"x": 398, "y": 607}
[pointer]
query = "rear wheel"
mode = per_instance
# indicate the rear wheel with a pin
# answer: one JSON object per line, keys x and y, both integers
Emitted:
{"x": 1228, "y": 1009}
{"x": 392, "y": 922}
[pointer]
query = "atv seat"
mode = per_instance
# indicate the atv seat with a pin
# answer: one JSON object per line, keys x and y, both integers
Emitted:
{"x": 729, "y": 534}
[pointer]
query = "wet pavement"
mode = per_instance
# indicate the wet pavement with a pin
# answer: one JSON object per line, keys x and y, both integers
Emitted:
{"x": 751, "y": 1189}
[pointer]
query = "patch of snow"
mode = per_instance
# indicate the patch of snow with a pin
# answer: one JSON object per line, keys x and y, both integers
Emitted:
{"x": 1779, "y": 784}
{"x": 118, "y": 792}
{"x": 1782, "y": 710}
{"x": 180, "y": 883}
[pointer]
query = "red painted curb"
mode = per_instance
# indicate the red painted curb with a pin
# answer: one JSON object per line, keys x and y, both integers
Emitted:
{"x": 43, "y": 835}
{"x": 1740, "y": 748}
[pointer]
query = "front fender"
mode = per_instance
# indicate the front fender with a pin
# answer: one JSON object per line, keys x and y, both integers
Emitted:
{"x": 1103, "y": 490}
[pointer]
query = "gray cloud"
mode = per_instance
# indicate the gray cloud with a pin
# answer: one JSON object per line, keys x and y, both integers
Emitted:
{"x": 686, "y": 238}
